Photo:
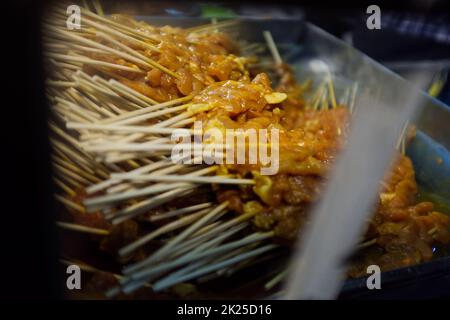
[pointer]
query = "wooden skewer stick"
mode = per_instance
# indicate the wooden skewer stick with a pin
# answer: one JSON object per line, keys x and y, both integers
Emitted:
{"x": 146, "y": 147}
{"x": 331, "y": 90}
{"x": 69, "y": 203}
{"x": 89, "y": 104}
{"x": 182, "y": 236}
{"x": 177, "y": 178}
{"x": 272, "y": 47}
{"x": 206, "y": 27}
{"x": 177, "y": 212}
{"x": 73, "y": 155}
{"x": 71, "y": 174}
{"x": 141, "y": 192}
{"x": 123, "y": 88}
{"x": 135, "y": 281}
{"x": 109, "y": 32}
{"x": 74, "y": 142}
{"x": 71, "y": 65}
{"x": 136, "y": 102}
{"x": 401, "y": 138}
{"x": 124, "y": 186}
{"x": 120, "y": 26}
{"x": 60, "y": 84}
{"x": 63, "y": 186}
{"x": 69, "y": 114}
{"x": 181, "y": 222}
{"x": 202, "y": 253}
{"x": 367, "y": 244}
{"x": 94, "y": 62}
{"x": 162, "y": 284}
{"x": 318, "y": 95}
{"x": 153, "y": 115}
{"x": 98, "y": 7}
{"x": 69, "y": 166}
{"x": 194, "y": 245}
{"x": 93, "y": 86}
{"x": 121, "y": 128}
{"x": 86, "y": 114}
{"x": 353, "y": 97}
{"x": 109, "y": 182}
{"x": 144, "y": 110}
{"x": 110, "y": 50}
{"x": 130, "y": 270}
{"x": 345, "y": 98}
{"x": 144, "y": 206}
{"x": 183, "y": 123}
{"x": 115, "y": 158}
{"x": 274, "y": 281}
{"x": 228, "y": 271}
{"x": 324, "y": 100}
{"x": 214, "y": 230}
{"x": 130, "y": 51}
{"x": 78, "y": 48}
{"x": 81, "y": 228}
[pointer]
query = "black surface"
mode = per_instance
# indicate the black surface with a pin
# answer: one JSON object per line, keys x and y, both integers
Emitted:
{"x": 27, "y": 236}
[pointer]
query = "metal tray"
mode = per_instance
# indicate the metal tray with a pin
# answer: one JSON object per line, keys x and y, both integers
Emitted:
{"x": 309, "y": 48}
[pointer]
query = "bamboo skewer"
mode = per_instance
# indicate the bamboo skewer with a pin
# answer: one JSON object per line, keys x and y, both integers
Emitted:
{"x": 117, "y": 33}
{"x": 277, "y": 279}
{"x": 164, "y": 283}
{"x": 70, "y": 204}
{"x": 122, "y": 128}
{"x": 143, "y": 111}
{"x": 201, "y": 252}
{"x": 179, "y": 223}
{"x": 207, "y": 27}
{"x": 136, "y": 102}
{"x": 272, "y": 47}
{"x": 94, "y": 62}
{"x": 177, "y": 178}
{"x": 109, "y": 182}
{"x": 146, "y": 205}
{"x": 331, "y": 90}
{"x": 134, "y": 281}
{"x": 173, "y": 213}
{"x": 107, "y": 49}
{"x": 98, "y": 7}
{"x": 81, "y": 228}
{"x": 64, "y": 187}
{"x": 155, "y": 188}
{"x": 75, "y": 170}
{"x": 120, "y": 26}
{"x": 194, "y": 245}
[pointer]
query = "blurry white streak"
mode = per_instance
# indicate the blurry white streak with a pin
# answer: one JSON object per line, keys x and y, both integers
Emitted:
{"x": 318, "y": 266}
